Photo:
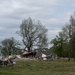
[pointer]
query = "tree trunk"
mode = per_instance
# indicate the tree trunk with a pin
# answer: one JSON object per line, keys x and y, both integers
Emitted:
{"x": 29, "y": 49}
{"x": 69, "y": 56}
{"x": 9, "y": 51}
{"x": 74, "y": 56}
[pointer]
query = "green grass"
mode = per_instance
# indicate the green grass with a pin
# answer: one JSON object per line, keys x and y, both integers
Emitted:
{"x": 60, "y": 67}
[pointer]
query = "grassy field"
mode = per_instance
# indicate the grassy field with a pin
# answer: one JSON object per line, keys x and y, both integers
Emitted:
{"x": 60, "y": 67}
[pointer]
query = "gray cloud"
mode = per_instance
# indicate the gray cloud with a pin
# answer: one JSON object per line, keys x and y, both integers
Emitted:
{"x": 52, "y": 13}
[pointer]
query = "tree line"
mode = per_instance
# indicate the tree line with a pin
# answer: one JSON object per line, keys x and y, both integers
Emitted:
{"x": 64, "y": 42}
{"x": 34, "y": 35}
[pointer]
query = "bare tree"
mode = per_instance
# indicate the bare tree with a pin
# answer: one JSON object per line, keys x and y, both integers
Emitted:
{"x": 8, "y": 46}
{"x": 33, "y": 34}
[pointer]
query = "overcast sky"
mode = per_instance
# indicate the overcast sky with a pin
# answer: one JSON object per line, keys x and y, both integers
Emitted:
{"x": 54, "y": 14}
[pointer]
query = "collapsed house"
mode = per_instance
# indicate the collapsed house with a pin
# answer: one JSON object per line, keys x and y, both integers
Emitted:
{"x": 40, "y": 54}
{"x": 45, "y": 54}
{"x": 7, "y": 61}
{"x": 31, "y": 54}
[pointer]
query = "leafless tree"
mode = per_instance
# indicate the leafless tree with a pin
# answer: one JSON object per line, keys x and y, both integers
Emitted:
{"x": 33, "y": 34}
